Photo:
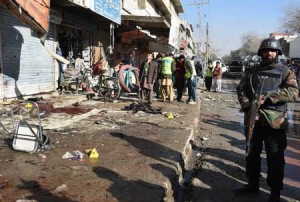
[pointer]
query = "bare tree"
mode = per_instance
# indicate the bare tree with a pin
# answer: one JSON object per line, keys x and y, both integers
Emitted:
{"x": 214, "y": 53}
{"x": 291, "y": 19}
{"x": 250, "y": 44}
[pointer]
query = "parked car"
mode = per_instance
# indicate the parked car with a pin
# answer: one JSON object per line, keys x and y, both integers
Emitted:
{"x": 236, "y": 68}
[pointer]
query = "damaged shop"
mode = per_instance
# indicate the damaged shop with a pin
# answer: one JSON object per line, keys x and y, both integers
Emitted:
{"x": 76, "y": 28}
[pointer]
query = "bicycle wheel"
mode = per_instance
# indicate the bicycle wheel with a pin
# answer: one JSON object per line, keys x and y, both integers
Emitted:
{"x": 102, "y": 86}
{"x": 113, "y": 89}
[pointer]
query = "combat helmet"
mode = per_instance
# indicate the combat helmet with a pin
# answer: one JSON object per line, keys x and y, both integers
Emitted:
{"x": 270, "y": 43}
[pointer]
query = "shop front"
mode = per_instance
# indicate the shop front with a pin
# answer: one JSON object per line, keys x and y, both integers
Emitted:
{"x": 26, "y": 66}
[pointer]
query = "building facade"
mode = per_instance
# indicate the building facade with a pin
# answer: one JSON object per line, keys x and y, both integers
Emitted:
{"x": 94, "y": 29}
{"x": 77, "y": 27}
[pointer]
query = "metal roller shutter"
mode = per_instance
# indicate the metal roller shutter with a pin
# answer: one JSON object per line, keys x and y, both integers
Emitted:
{"x": 27, "y": 67}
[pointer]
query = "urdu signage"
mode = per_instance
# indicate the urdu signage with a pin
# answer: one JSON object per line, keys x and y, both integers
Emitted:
{"x": 110, "y": 9}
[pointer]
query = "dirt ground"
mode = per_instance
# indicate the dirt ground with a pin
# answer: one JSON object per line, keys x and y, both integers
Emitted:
{"x": 220, "y": 153}
{"x": 140, "y": 154}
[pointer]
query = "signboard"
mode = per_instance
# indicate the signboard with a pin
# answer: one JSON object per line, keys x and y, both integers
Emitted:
{"x": 174, "y": 31}
{"x": 110, "y": 9}
{"x": 183, "y": 44}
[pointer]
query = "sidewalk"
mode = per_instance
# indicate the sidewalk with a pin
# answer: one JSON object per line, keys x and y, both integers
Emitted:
{"x": 142, "y": 155}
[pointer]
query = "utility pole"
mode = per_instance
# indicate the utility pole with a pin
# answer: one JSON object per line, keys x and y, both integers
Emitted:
{"x": 198, "y": 4}
{"x": 207, "y": 43}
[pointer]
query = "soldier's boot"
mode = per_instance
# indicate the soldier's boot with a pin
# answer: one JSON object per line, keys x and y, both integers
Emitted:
{"x": 251, "y": 188}
{"x": 275, "y": 196}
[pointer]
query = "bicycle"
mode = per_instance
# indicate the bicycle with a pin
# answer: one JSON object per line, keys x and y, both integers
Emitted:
{"x": 99, "y": 80}
{"x": 109, "y": 87}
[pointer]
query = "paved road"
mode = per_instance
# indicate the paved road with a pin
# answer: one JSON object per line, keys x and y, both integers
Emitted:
{"x": 292, "y": 155}
{"x": 222, "y": 165}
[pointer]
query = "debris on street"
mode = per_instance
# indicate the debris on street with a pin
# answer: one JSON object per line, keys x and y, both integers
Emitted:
{"x": 42, "y": 156}
{"x": 67, "y": 155}
{"x": 77, "y": 154}
{"x": 145, "y": 107}
{"x": 111, "y": 122}
{"x": 74, "y": 155}
{"x": 59, "y": 189}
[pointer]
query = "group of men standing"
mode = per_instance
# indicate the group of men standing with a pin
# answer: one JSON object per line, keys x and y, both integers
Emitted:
{"x": 164, "y": 73}
{"x": 213, "y": 74}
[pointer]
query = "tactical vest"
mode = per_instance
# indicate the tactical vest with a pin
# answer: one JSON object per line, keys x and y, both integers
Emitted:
{"x": 267, "y": 81}
{"x": 208, "y": 72}
{"x": 166, "y": 65}
{"x": 188, "y": 73}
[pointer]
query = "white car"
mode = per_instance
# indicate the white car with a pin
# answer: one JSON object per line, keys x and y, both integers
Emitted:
{"x": 224, "y": 68}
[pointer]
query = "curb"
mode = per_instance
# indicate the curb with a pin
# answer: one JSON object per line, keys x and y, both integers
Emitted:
{"x": 186, "y": 155}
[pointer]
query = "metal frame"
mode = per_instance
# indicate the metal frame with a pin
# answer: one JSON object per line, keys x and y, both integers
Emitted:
{"x": 1, "y": 64}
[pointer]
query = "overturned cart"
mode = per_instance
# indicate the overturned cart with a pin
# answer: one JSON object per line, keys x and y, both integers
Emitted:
{"x": 25, "y": 127}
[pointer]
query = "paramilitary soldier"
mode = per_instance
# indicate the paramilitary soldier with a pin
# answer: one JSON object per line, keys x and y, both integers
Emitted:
{"x": 276, "y": 85}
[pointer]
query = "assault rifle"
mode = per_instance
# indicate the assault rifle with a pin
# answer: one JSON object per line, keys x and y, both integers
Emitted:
{"x": 252, "y": 114}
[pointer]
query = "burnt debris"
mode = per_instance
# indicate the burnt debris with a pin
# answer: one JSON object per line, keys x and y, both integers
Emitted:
{"x": 140, "y": 106}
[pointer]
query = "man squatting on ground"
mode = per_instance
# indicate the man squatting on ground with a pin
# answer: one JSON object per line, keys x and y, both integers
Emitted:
{"x": 278, "y": 86}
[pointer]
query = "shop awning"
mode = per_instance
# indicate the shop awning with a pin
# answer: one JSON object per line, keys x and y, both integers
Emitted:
{"x": 158, "y": 47}
{"x": 156, "y": 25}
{"x": 151, "y": 20}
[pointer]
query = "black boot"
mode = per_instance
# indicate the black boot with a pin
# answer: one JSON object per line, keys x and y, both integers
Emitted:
{"x": 251, "y": 188}
{"x": 275, "y": 196}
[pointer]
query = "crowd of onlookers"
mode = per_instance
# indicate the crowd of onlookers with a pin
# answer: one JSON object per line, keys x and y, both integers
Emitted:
{"x": 162, "y": 75}
{"x": 213, "y": 77}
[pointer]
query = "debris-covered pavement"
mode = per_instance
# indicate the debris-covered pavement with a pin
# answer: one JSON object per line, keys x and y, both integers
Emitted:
{"x": 141, "y": 151}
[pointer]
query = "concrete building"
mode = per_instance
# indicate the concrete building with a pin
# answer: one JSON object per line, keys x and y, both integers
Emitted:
{"x": 294, "y": 50}
{"x": 150, "y": 26}
{"x": 30, "y": 40}
{"x": 286, "y": 36}
{"x": 290, "y": 44}
{"x": 186, "y": 39}
{"x": 78, "y": 26}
